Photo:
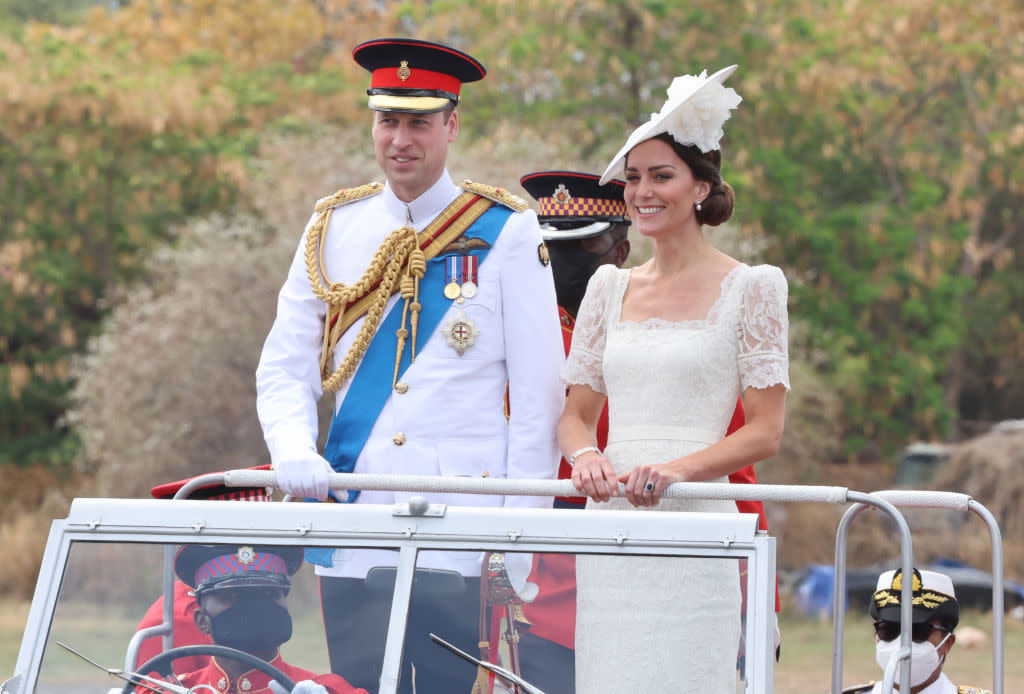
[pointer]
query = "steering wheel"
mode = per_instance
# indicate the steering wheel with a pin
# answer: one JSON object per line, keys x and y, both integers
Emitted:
{"x": 162, "y": 663}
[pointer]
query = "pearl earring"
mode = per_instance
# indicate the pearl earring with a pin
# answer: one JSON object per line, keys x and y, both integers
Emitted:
{"x": 698, "y": 205}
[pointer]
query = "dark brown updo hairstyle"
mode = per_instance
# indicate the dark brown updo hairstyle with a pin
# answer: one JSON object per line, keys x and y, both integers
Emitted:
{"x": 716, "y": 208}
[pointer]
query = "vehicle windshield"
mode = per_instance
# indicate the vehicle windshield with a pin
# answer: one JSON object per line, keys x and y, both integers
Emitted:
{"x": 107, "y": 587}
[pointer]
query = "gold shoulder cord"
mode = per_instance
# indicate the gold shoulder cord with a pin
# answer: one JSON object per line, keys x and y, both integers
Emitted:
{"x": 400, "y": 245}
{"x": 400, "y": 250}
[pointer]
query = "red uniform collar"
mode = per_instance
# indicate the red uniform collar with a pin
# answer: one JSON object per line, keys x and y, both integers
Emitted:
{"x": 249, "y": 682}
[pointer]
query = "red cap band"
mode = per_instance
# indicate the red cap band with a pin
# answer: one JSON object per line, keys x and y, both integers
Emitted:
{"x": 415, "y": 78}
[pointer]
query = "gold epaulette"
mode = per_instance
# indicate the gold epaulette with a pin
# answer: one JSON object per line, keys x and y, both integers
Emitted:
{"x": 972, "y": 690}
{"x": 347, "y": 195}
{"x": 500, "y": 195}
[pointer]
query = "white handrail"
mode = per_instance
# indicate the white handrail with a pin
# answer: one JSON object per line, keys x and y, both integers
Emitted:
{"x": 529, "y": 487}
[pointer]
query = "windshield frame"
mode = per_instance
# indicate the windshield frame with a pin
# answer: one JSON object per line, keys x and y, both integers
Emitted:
{"x": 426, "y": 527}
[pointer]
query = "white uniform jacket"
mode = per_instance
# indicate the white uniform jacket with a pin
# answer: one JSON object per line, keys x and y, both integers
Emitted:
{"x": 451, "y": 420}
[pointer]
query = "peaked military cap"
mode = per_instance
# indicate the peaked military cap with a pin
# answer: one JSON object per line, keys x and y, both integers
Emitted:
{"x": 213, "y": 567}
{"x": 933, "y": 596}
{"x": 412, "y": 76}
{"x": 574, "y": 205}
{"x": 213, "y": 491}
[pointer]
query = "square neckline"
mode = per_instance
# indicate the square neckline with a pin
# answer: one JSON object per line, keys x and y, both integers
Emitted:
{"x": 656, "y": 321}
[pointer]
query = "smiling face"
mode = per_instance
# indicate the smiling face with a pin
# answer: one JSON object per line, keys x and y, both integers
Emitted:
{"x": 660, "y": 189}
{"x": 411, "y": 148}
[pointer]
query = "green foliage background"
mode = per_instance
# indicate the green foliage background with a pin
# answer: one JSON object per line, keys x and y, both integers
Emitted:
{"x": 878, "y": 149}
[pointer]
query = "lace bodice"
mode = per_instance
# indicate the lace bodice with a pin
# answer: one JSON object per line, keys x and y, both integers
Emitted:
{"x": 669, "y": 379}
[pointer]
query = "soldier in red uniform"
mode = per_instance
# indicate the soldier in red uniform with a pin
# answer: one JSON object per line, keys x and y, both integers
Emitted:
{"x": 241, "y": 593}
{"x": 584, "y": 226}
{"x": 185, "y": 632}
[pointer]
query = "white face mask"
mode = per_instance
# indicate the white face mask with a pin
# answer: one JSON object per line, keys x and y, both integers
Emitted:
{"x": 924, "y": 658}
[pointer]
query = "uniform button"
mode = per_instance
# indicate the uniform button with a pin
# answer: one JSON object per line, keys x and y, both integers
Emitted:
{"x": 244, "y": 684}
{"x": 485, "y": 474}
{"x": 401, "y": 387}
{"x": 399, "y": 438}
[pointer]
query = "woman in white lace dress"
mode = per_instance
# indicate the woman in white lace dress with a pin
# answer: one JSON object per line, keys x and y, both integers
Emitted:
{"x": 671, "y": 344}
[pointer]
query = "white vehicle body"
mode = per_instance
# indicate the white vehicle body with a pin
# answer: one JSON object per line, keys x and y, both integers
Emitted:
{"x": 139, "y": 537}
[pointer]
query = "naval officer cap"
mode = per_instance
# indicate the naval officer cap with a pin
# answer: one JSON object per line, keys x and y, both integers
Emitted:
{"x": 573, "y": 205}
{"x": 933, "y": 598}
{"x": 412, "y": 76}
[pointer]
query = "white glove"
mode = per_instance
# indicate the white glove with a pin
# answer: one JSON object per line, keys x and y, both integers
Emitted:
{"x": 303, "y": 473}
{"x": 303, "y": 687}
{"x": 518, "y": 566}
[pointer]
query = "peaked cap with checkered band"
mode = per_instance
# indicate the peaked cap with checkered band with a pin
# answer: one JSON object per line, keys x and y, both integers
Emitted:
{"x": 573, "y": 205}
{"x": 214, "y": 567}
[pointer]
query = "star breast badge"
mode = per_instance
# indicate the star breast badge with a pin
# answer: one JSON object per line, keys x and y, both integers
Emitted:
{"x": 461, "y": 332}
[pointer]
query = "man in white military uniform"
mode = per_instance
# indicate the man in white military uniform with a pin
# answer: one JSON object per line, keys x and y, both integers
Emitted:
{"x": 935, "y": 614}
{"x": 417, "y": 301}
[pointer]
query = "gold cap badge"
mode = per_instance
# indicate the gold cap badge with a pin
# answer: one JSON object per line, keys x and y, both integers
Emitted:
{"x": 403, "y": 71}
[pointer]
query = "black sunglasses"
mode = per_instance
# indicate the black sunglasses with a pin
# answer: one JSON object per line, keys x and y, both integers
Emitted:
{"x": 888, "y": 631}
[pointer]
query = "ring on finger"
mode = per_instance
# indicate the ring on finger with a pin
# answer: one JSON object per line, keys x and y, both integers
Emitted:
{"x": 649, "y": 486}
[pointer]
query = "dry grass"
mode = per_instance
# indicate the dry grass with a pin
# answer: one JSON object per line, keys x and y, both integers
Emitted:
{"x": 13, "y": 615}
{"x": 31, "y": 499}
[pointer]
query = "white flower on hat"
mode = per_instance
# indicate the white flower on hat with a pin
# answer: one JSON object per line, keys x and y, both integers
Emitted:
{"x": 694, "y": 116}
{"x": 694, "y": 113}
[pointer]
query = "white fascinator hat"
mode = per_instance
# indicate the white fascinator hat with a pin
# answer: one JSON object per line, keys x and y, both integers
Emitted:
{"x": 694, "y": 113}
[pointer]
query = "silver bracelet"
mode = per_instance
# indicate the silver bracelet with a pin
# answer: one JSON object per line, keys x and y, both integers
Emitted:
{"x": 577, "y": 454}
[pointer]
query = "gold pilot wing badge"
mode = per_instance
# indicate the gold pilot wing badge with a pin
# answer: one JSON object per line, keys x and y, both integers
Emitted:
{"x": 461, "y": 332}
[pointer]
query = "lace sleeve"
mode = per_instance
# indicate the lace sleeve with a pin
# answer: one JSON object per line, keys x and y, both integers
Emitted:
{"x": 764, "y": 329}
{"x": 584, "y": 365}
